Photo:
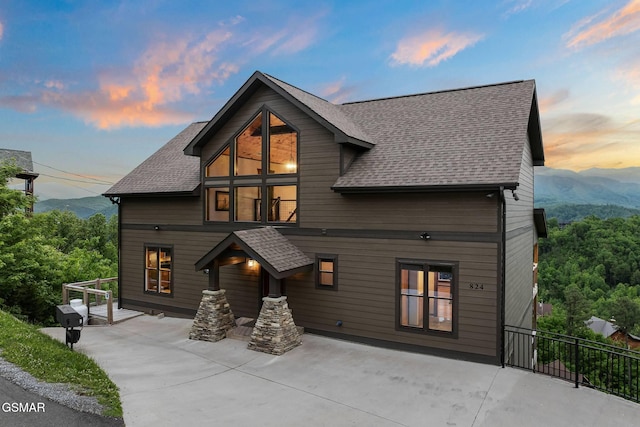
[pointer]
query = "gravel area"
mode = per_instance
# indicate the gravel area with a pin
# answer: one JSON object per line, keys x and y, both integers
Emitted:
{"x": 60, "y": 393}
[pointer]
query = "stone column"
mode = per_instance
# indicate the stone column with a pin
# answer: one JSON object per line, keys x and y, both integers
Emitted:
{"x": 214, "y": 317}
{"x": 274, "y": 332}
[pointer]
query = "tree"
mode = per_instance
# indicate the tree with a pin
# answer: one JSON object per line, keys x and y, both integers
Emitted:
{"x": 577, "y": 308}
{"x": 626, "y": 313}
{"x": 11, "y": 200}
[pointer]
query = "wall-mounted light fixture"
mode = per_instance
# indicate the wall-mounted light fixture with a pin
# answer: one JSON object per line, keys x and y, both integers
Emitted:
{"x": 515, "y": 195}
{"x": 205, "y": 271}
{"x": 156, "y": 227}
{"x": 425, "y": 236}
{"x": 251, "y": 263}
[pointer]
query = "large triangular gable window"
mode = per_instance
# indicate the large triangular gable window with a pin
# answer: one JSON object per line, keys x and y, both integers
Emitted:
{"x": 243, "y": 185}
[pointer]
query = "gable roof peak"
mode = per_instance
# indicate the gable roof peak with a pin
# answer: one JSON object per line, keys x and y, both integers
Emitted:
{"x": 322, "y": 111}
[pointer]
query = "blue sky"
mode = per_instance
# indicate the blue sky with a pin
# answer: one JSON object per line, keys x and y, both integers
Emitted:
{"x": 92, "y": 88}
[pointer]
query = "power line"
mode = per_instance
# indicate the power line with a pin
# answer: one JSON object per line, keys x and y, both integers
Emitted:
{"x": 75, "y": 174}
{"x": 96, "y": 181}
{"x": 76, "y": 180}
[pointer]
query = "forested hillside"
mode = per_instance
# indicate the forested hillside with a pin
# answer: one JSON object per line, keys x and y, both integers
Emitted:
{"x": 41, "y": 252}
{"x": 591, "y": 267}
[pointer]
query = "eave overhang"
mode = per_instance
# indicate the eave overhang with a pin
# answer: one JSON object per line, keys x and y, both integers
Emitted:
{"x": 243, "y": 94}
{"x": 535, "y": 133}
{"x": 192, "y": 193}
{"x": 263, "y": 254}
{"x": 425, "y": 188}
{"x": 540, "y": 221}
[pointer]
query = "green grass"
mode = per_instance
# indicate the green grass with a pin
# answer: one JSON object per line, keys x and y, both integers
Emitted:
{"x": 52, "y": 361}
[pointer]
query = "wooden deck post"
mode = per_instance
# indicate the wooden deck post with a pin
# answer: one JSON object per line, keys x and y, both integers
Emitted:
{"x": 98, "y": 296}
{"x": 110, "y": 307}
{"x": 65, "y": 294}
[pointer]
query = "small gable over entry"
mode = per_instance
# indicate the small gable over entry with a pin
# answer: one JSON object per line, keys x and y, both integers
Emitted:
{"x": 274, "y": 252}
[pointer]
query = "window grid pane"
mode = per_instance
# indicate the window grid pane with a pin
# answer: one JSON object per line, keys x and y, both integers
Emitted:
{"x": 219, "y": 167}
{"x": 439, "y": 298}
{"x": 158, "y": 270}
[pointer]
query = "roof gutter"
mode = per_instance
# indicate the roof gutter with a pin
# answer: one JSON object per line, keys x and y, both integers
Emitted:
{"x": 426, "y": 188}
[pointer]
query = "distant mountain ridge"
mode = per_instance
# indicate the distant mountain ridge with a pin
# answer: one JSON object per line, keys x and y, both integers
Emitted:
{"x": 83, "y": 207}
{"x": 553, "y": 188}
{"x": 596, "y": 186}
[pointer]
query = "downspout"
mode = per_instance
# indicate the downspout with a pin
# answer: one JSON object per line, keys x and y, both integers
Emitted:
{"x": 119, "y": 257}
{"x": 116, "y": 201}
{"x": 503, "y": 268}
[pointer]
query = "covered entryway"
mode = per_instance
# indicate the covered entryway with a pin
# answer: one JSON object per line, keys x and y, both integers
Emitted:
{"x": 275, "y": 331}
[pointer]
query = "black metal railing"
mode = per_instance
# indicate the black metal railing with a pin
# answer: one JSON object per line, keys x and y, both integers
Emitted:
{"x": 605, "y": 367}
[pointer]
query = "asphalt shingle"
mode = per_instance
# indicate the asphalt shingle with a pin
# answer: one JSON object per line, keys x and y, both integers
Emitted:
{"x": 274, "y": 248}
{"x": 21, "y": 158}
{"x": 168, "y": 170}
{"x": 473, "y": 136}
{"x": 449, "y": 138}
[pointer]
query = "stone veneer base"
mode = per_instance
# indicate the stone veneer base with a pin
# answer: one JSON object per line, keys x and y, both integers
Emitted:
{"x": 275, "y": 332}
{"x": 214, "y": 317}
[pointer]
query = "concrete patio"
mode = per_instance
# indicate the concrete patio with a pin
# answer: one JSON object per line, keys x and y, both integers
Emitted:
{"x": 165, "y": 379}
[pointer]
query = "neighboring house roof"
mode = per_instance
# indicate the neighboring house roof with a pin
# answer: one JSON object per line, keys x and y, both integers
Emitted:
{"x": 168, "y": 170}
{"x": 272, "y": 250}
{"x": 456, "y": 139}
{"x": 600, "y": 326}
{"x": 21, "y": 158}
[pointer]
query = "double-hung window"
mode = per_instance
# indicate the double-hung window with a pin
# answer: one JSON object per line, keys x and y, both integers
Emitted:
{"x": 254, "y": 177}
{"x": 426, "y": 296}
{"x": 158, "y": 265}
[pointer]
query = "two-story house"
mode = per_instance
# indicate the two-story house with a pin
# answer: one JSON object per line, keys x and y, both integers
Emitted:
{"x": 405, "y": 222}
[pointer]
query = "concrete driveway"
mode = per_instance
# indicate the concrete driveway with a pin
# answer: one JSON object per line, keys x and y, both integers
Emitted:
{"x": 165, "y": 379}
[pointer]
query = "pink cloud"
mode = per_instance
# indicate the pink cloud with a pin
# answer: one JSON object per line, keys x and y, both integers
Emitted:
{"x": 580, "y": 141}
{"x": 432, "y": 47}
{"x": 143, "y": 96}
{"x": 547, "y": 103}
{"x": 603, "y": 26}
{"x": 1, "y": 30}
{"x": 337, "y": 92}
{"x": 296, "y": 35}
{"x": 517, "y": 6}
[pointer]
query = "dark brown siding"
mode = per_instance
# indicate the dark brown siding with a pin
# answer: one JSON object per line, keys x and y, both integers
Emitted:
{"x": 519, "y": 248}
{"x": 162, "y": 210}
{"x": 365, "y": 301}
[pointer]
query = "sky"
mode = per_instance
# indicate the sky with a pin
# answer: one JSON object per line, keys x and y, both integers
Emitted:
{"x": 92, "y": 88}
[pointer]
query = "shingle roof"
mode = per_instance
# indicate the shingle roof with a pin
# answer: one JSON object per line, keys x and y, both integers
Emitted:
{"x": 21, "y": 158}
{"x": 450, "y": 138}
{"x": 332, "y": 113}
{"x": 272, "y": 250}
{"x": 327, "y": 114}
{"x": 168, "y": 170}
{"x": 600, "y": 326}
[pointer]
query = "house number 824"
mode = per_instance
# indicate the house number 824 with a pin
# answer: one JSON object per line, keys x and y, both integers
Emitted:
{"x": 476, "y": 286}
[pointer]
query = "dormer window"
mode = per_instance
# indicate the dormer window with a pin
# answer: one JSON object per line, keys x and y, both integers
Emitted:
{"x": 255, "y": 187}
